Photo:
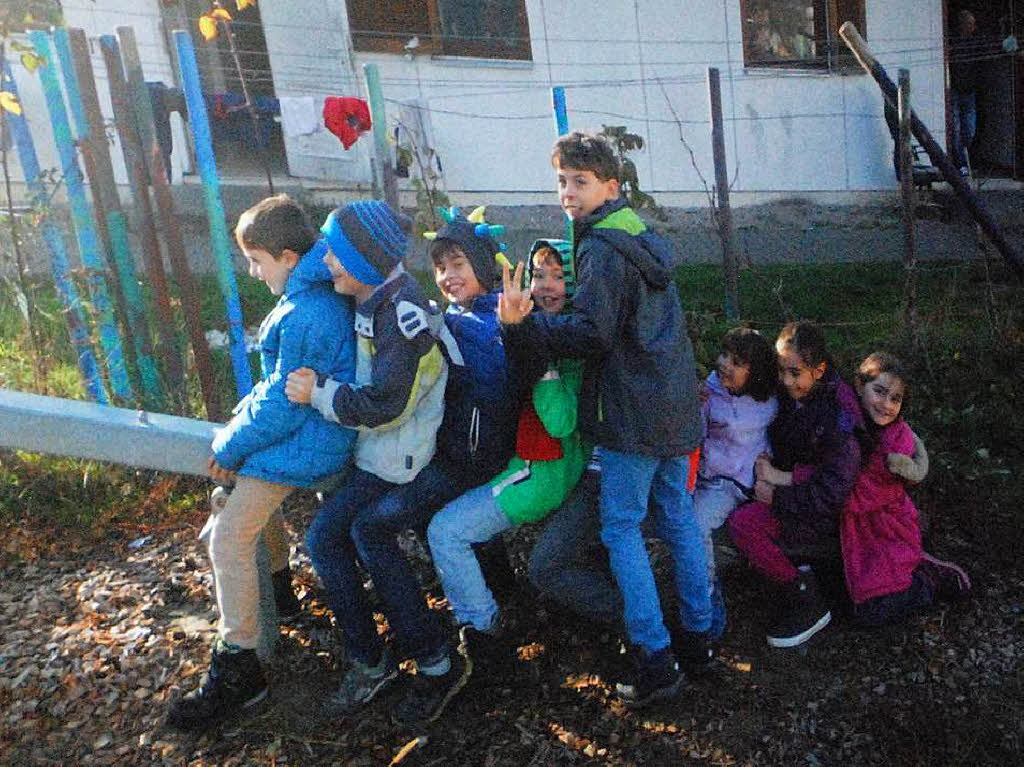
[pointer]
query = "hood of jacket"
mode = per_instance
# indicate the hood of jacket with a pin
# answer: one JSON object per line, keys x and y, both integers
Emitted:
{"x": 620, "y": 226}
{"x": 310, "y": 269}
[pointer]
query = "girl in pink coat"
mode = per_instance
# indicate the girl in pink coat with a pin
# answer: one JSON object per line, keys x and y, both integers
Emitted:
{"x": 888, "y": 574}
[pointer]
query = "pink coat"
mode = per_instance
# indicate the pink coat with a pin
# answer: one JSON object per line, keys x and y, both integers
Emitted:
{"x": 879, "y": 532}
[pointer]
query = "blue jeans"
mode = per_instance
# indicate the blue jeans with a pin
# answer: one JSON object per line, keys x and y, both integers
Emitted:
{"x": 965, "y": 123}
{"x": 628, "y": 483}
{"x": 562, "y": 566}
{"x": 334, "y": 556}
{"x": 714, "y": 500}
{"x": 474, "y": 517}
{"x": 375, "y": 530}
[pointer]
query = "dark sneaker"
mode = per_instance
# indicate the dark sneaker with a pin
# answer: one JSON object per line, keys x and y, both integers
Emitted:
{"x": 361, "y": 684}
{"x": 696, "y": 651}
{"x": 948, "y": 581}
{"x": 655, "y": 676}
{"x": 487, "y": 649}
{"x": 802, "y": 613}
{"x": 233, "y": 684}
{"x": 428, "y": 695}
{"x": 288, "y": 605}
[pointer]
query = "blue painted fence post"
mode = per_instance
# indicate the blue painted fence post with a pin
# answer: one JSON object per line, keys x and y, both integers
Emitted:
{"x": 78, "y": 328}
{"x": 220, "y": 240}
{"x": 110, "y": 339}
{"x": 113, "y": 231}
{"x": 562, "y": 127}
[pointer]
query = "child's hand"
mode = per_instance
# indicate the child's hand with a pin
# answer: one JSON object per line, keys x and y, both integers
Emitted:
{"x": 764, "y": 491}
{"x": 515, "y": 302}
{"x": 912, "y": 468}
{"x": 763, "y": 467}
{"x": 299, "y": 386}
{"x": 219, "y": 474}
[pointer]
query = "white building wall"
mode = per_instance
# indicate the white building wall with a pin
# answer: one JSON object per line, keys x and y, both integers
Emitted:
{"x": 621, "y": 63}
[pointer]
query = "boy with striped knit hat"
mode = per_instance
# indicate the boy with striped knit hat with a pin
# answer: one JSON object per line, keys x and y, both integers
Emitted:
{"x": 396, "y": 404}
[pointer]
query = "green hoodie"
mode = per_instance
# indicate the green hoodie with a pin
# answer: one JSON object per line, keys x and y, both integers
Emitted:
{"x": 527, "y": 491}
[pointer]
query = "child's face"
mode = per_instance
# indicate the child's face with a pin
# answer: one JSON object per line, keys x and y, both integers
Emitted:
{"x": 732, "y": 372}
{"x": 273, "y": 272}
{"x": 581, "y": 192}
{"x": 344, "y": 282}
{"x": 882, "y": 398}
{"x": 455, "y": 278}
{"x": 547, "y": 286}
{"x": 798, "y": 378}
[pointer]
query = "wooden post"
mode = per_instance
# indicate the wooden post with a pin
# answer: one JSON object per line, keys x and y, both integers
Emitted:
{"x": 78, "y": 326}
{"x": 939, "y": 158}
{"x": 92, "y": 139}
{"x": 220, "y": 240}
{"x": 384, "y": 173}
{"x": 81, "y": 218}
{"x": 909, "y": 213}
{"x": 723, "y": 213}
{"x": 145, "y": 228}
{"x": 154, "y": 157}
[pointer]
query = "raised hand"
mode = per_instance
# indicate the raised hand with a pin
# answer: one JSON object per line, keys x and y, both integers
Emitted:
{"x": 515, "y": 302}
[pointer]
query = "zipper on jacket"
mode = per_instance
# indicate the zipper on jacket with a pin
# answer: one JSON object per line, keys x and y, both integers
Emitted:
{"x": 474, "y": 431}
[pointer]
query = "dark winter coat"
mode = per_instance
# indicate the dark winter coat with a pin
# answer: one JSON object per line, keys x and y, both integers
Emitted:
{"x": 477, "y": 436}
{"x": 639, "y": 392}
{"x": 818, "y": 435}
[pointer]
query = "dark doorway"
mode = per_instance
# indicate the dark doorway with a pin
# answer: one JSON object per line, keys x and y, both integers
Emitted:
{"x": 998, "y": 74}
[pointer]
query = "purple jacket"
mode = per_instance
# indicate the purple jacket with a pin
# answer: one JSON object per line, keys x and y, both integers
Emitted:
{"x": 817, "y": 432}
{"x": 735, "y": 432}
{"x": 879, "y": 531}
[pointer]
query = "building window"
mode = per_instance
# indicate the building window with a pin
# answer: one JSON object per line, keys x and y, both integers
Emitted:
{"x": 798, "y": 33}
{"x": 489, "y": 29}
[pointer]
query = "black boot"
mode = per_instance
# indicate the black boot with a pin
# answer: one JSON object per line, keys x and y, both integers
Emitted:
{"x": 235, "y": 682}
{"x": 695, "y": 651}
{"x": 288, "y": 605}
{"x": 802, "y": 612}
{"x": 655, "y": 676}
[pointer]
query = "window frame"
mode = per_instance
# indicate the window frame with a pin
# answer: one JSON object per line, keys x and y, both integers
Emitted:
{"x": 833, "y": 58}
{"x": 431, "y": 40}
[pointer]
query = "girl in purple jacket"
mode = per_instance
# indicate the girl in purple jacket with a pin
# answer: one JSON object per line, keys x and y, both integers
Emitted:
{"x": 887, "y": 572}
{"x": 737, "y": 404}
{"x": 813, "y": 433}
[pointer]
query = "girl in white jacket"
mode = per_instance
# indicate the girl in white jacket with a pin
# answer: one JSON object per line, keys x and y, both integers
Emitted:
{"x": 738, "y": 403}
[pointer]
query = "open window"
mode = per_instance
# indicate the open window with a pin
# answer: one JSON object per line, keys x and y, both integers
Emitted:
{"x": 798, "y": 33}
{"x": 487, "y": 29}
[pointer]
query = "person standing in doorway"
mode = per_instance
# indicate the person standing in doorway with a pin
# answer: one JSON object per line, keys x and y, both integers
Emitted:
{"x": 965, "y": 51}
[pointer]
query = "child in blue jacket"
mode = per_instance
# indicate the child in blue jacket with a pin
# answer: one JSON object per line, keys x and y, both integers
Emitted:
{"x": 270, "y": 446}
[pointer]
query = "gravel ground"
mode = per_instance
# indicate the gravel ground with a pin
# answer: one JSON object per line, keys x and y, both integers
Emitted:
{"x": 95, "y": 643}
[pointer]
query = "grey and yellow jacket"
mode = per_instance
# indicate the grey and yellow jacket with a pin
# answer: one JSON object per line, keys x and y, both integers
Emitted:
{"x": 397, "y": 400}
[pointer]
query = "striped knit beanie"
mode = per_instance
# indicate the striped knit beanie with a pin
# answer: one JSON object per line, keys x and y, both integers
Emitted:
{"x": 564, "y": 250}
{"x": 368, "y": 237}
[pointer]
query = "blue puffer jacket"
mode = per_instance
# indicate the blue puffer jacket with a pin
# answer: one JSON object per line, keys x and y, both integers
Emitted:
{"x": 478, "y": 433}
{"x": 268, "y": 437}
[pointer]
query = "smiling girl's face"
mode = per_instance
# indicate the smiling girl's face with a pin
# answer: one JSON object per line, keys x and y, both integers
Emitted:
{"x": 796, "y": 376}
{"x": 547, "y": 284}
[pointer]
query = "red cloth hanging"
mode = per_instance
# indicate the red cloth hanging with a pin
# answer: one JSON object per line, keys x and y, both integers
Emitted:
{"x": 347, "y": 118}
